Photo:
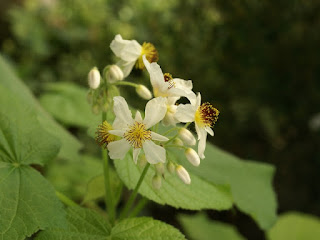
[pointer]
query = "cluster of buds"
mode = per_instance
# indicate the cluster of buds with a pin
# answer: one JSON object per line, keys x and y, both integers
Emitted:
{"x": 140, "y": 134}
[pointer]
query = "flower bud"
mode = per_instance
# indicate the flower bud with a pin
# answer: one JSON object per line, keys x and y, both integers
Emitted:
{"x": 159, "y": 168}
{"x": 114, "y": 74}
{"x": 187, "y": 137}
{"x": 170, "y": 167}
{"x": 156, "y": 181}
{"x": 192, "y": 157}
{"x": 183, "y": 174}
{"x": 94, "y": 78}
{"x": 143, "y": 92}
{"x": 177, "y": 141}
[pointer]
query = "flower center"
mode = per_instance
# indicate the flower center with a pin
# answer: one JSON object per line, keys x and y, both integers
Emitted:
{"x": 151, "y": 53}
{"x": 103, "y": 137}
{"x": 206, "y": 115}
{"x": 137, "y": 134}
{"x": 168, "y": 78}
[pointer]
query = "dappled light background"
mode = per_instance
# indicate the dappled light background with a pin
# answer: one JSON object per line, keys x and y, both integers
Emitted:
{"x": 256, "y": 61}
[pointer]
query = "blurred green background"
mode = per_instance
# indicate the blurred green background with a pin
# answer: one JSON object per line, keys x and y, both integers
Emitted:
{"x": 256, "y": 61}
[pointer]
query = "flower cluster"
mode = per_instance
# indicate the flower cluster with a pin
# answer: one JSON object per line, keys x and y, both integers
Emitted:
{"x": 142, "y": 134}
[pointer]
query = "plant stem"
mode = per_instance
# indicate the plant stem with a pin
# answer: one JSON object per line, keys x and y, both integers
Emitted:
{"x": 106, "y": 174}
{"x": 175, "y": 136}
{"x": 67, "y": 201}
{"x": 134, "y": 194}
{"x": 140, "y": 205}
{"x": 126, "y": 83}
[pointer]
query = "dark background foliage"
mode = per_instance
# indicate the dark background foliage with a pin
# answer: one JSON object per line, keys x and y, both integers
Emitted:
{"x": 256, "y": 61}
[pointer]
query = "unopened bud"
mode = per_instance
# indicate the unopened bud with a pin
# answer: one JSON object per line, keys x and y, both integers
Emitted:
{"x": 94, "y": 78}
{"x": 114, "y": 74}
{"x": 143, "y": 92}
{"x": 156, "y": 181}
{"x": 183, "y": 174}
{"x": 187, "y": 137}
{"x": 142, "y": 161}
{"x": 177, "y": 141}
{"x": 192, "y": 157}
{"x": 160, "y": 168}
{"x": 170, "y": 167}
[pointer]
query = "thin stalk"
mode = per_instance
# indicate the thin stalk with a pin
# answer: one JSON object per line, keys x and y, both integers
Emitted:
{"x": 67, "y": 201}
{"x": 175, "y": 136}
{"x": 134, "y": 193}
{"x": 177, "y": 146}
{"x": 106, "y": 174}
{"x": 125, "y": 83}
{"x": 137, "y": 209}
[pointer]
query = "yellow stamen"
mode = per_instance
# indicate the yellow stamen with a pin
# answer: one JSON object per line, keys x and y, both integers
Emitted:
{"x": 137, "y": 134}
{"x": 206, "y": 115}
{"x": 151, "y": 53}
{"x": 168, "y": 78}
{"x": 103, "y": 137}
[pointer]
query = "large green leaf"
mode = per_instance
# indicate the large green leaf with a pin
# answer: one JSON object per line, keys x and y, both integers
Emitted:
{"x": 295, "y": 226}
{"x": 67, "y": 103}
{"x": 28, "y": 202}
{"x": 12, "y": 86}
{"x": 199, "y": 194}
{"x": 250, "y": 183}
{"x": 85, "y": 224}
{"x": 200, "y": 227}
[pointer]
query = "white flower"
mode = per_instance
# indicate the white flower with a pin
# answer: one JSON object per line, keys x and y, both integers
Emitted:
{"x": 130, "y": 52}
{"x": 204, "y": 116}
{"x": 94, "y": 78}
{"x": 173, "y": 88}
{"x": 135, "y": 131}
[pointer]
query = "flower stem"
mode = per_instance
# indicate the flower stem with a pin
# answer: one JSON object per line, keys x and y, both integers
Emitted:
{"x": 134, "y": 194}
{"x": 106, "y": 174}
{"x": 175, "y": 136}
{"x": 125, "y": 83}
{"x": 67, "y": 201}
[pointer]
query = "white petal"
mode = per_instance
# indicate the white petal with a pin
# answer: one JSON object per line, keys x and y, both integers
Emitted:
{"x": 155, "y": 111}
{"x": 198, "y": 101}
{"x": 131, "y": 51}
{"x": 158, "y": 137}
{"x": 119, "y": 133}
{"x": 202, "y": 143}
{"x": 126, "y": 67}
{"x": 138, "y": 117}
{"x": 156, "y": 74}
{"x": 118, "y": 149}
{"x": 177, "y": 92}
{"x": 209, "y": 130}
{"x": 118, "y": 124}
{"x": 136, "y": 152}
{"x": 118, "y": 44}
{"x": 185, "y": 113}
{"x": 172, "y": 100}
{"x": 154, "y": 153}
{"x": 183, "y": 84}
{"x": 121, "y": 110}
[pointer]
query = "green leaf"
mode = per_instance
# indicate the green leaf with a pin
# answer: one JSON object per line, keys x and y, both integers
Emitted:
{"x": 295, "y": 226}
{"x": 144, "y": 228}
{"x": 67, "y": 103}
{"x": 86, "y": 224}
{"x": 28, "y": 202}
{"x": 200, "y": 227}
{"x": 14, "y": 89}
{"x": 71, "y": 176}
{"x": 250, "y": 183}
{"x": 200, "y": 194}
{"x": 83, "y": 224}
